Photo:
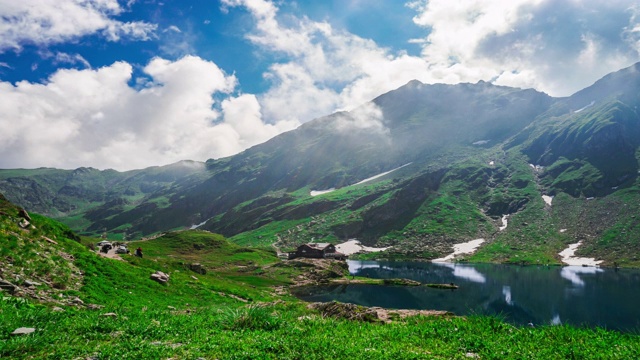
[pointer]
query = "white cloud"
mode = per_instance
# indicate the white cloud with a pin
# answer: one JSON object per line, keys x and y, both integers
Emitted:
{"x": 556, "y": 47}
{"x": 326, "y": 69}
{"x": 44, "y": 22}
{"x": 65, "y": 58}
{"x": 93, "y": 117}
{"x": 172, "y": 28}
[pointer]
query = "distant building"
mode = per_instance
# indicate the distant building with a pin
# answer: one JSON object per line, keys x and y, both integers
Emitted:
{"x": 319, "y": 251}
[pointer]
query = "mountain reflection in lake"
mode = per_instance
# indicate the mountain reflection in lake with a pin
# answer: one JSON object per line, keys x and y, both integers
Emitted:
{"x": 531, "y": 294}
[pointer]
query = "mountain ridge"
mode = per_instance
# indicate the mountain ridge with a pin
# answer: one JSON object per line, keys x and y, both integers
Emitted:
{"x": 471, "y": 149}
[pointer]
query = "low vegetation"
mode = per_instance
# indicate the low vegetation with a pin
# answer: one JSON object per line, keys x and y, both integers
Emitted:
{"x": 91, "y": 307}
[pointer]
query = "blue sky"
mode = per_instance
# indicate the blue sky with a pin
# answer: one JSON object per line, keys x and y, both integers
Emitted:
{"x": 135, "y": 83}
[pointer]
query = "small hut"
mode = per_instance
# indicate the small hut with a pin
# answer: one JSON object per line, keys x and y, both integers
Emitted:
{"x": 318, "y": 251}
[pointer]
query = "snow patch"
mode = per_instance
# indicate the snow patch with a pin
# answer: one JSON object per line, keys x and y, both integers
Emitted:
{"x": 505, "y": 220}
{"x": 459, "y": 249}
{"x": 547, "y": 199}
{"x": 563, "y": 230}
{"x": 536, "y": 168}
{"x": 197, "y": 226}
{"x": 491, "y": 163}
{"x": 590, "y": 105}
{"x": 320, "y": 192}
{"x": 381, "y": 175}
{"x": 354, "y": 246}
{"x": 481, "y": 142}
{"x": 569, "y": 258}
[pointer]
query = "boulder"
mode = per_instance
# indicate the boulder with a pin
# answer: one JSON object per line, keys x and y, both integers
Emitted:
{"x": 29, "y": 283}
{"x": 24, "y": 214}
{"x": 24, "y": 223}
{"x": 23, "y": 331}
{"x": 160, "y": 277}
{"x": 198, "y": 268}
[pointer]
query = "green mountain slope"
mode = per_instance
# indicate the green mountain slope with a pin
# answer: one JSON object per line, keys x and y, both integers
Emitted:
{"x": 463, "y": 156}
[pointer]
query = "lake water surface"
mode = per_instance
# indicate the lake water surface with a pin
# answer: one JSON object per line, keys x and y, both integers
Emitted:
{"x": 581, "y": 296}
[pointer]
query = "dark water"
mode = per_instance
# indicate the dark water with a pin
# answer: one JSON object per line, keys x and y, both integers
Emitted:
{"x": 581, "y": 296}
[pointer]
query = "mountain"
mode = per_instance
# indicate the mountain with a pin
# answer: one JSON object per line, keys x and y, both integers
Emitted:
{"x": 455, "y": 160}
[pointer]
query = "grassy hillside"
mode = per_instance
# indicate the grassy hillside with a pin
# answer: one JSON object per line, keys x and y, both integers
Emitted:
{"x": 88, "y": 306}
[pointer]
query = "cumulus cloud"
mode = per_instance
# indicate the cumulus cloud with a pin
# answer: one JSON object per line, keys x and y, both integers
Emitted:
{"x": 326, "y": 69}
{"x": 556, "y": 47}
{"x": 44, "y": 22}
{"x": 93, "y": 117}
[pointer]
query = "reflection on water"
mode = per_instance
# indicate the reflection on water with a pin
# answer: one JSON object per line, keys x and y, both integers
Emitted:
{"x": 572, "y": 273}
{"x": 539, "y": 295}
{"x": 506, "y": 291}
{"x": 464, "y": 271}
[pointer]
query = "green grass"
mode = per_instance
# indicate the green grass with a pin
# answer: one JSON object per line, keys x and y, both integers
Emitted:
{"x": 231, "y": 312}
{"x": 288, "y": 331}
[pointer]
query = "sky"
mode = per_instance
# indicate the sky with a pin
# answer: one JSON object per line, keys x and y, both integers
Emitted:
{"x": 135, "y": 83}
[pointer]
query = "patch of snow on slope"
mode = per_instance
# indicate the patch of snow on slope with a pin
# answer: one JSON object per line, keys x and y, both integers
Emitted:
{"x": 459, "y": 249}
{"x": 354, "y": 246}
{"x": 505, "y": 220}
{"x": 569, "y": 258}
{"x": 590, "y": 105}
{"x": 197, "y": 226}
{"x": 381, "y": 175}
{"x": 320, "y": 192}
{"x": 547, "y": 199}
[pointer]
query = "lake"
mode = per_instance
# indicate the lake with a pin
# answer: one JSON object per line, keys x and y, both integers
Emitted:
{"x": 540, "y": 295}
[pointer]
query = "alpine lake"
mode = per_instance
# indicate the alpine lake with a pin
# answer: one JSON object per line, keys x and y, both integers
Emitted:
{"x": 521, "y": 295}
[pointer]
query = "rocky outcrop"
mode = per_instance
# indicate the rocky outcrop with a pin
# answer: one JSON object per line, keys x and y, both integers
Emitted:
{"x": 160, "y": 277}
{"x": 369, "y": 314}
{"x": 198, "y": 268}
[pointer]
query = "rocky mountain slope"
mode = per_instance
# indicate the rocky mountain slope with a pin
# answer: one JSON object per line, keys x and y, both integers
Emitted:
{"x": 467, "y": 157}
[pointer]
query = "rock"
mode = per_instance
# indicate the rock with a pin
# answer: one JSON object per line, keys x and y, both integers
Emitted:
{"x": 49, "y": 240}
{"x": 24, "y": 223}
{"x": 160, "y": 277}
{"x": 77, "y": 300}
{"x": 7, "y": 286}
{"x": 30, "y": 283}
{"x": 23, "y": 331}
{"x": 57, "y": 309}
{"x": 198, "y": 268}
{"x": 24, "y": 214}
{"x": 346, "y": 311}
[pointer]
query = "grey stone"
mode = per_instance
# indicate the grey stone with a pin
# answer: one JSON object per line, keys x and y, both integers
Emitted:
{"x": 160, "y": 277}
{"x": 198, "y": 268}
{"x": 24, "y": 214}
{"x": 30, "y": 283}
{"x": 23, "y": 331}
{"x": 24, "y": 223}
